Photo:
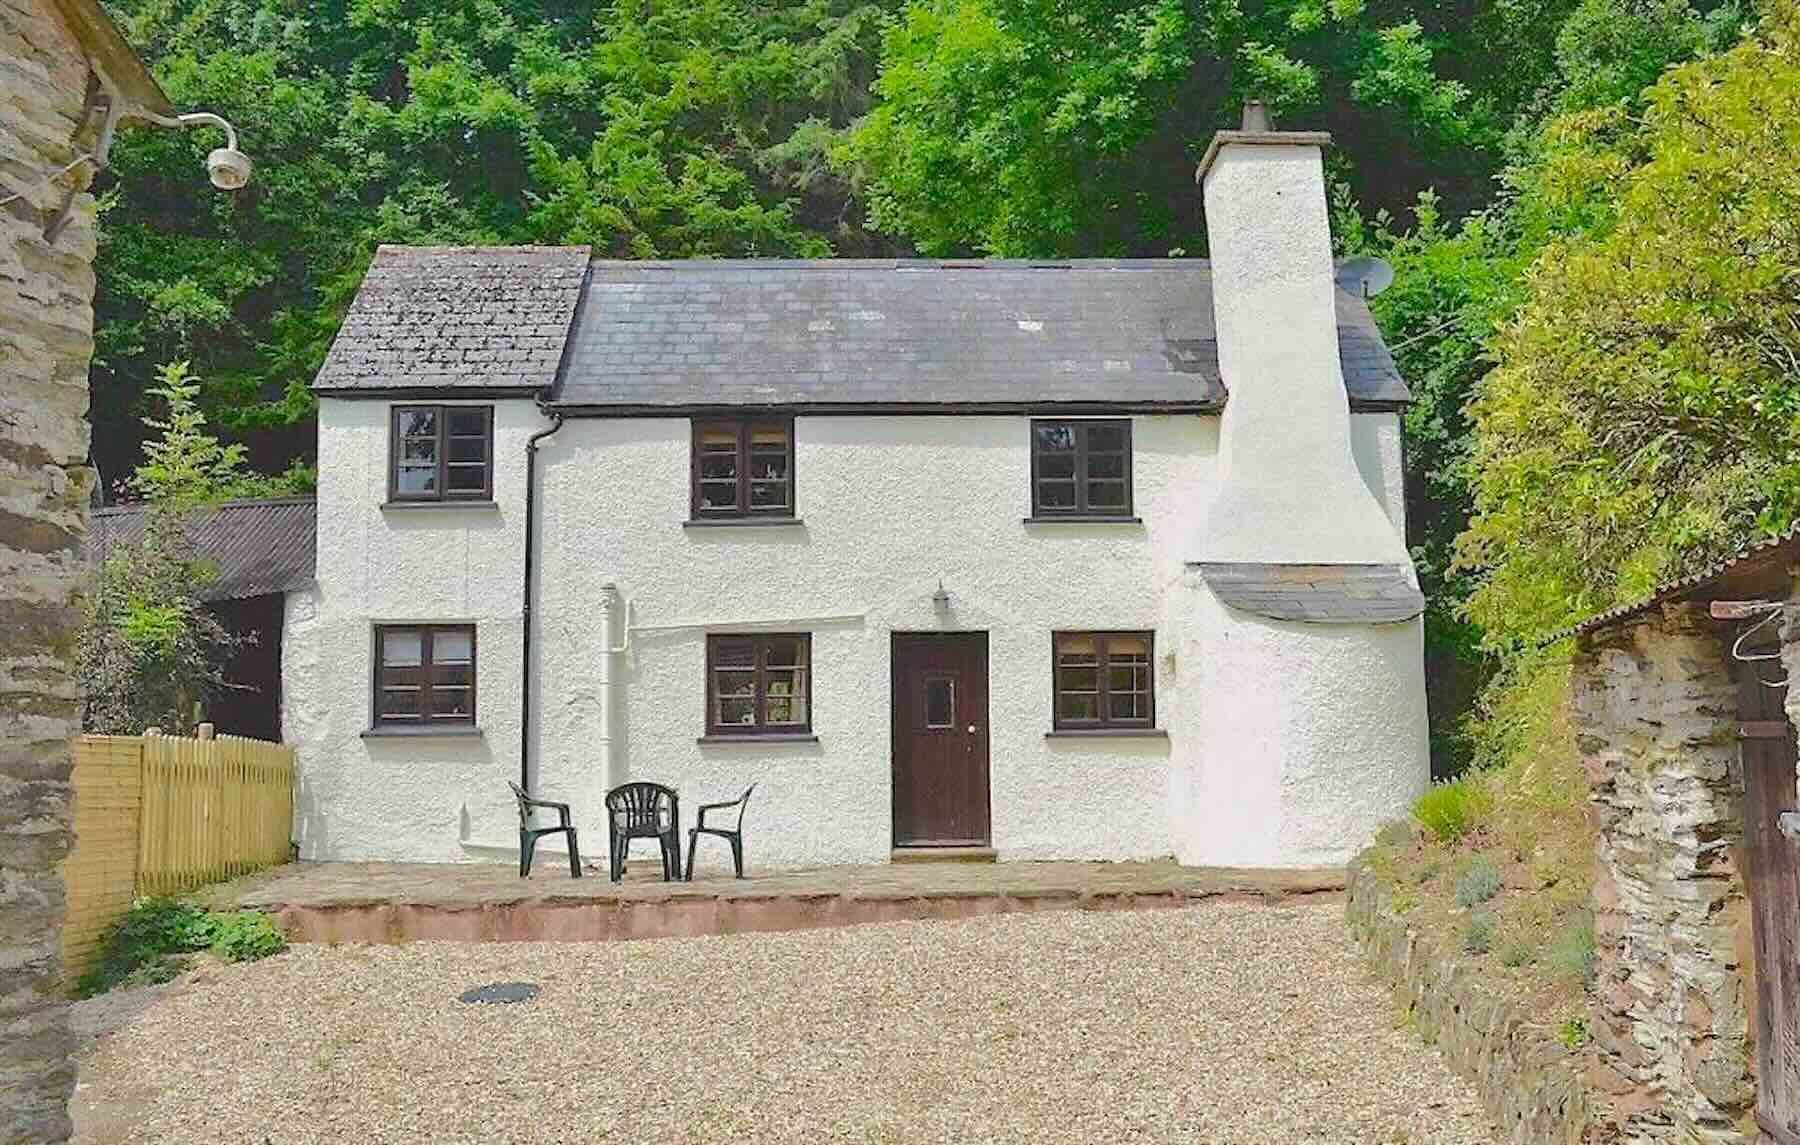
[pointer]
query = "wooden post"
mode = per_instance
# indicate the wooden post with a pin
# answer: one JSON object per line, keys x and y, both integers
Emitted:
{"x": 203, "y": 731}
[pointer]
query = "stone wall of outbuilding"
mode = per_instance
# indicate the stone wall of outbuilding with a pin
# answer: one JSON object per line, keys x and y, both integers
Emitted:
{"x": 1656, "y": 718}
{"x": 46, "y": 339}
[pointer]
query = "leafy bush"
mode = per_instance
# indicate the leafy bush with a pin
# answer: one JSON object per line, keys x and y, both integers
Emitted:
{"x": 1479, "y": 882}
{"x": 1448, "y": 811}
{"x": 1573, "y": 951}
{"x": 1516, "y": 954}
{"x": 1573, "y": 1032}
{"x": 1478, "y": 934}
{"x": 148, "y": 943}
{"x": 246, "y": 936}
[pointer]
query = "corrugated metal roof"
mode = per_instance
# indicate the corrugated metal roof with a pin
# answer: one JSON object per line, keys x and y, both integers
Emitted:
{"x": 257, "y": 547}
{"x": 1774, "y": 548}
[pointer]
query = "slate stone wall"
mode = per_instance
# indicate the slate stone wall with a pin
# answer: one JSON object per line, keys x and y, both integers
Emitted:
{"x": 46, "y": 339}
{"x": 1656, "y": 714}
{"x": 1532, "y": 1086}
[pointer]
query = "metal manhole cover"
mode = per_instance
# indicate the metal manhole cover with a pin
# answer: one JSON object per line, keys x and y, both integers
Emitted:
{"x": 501, "y": 993}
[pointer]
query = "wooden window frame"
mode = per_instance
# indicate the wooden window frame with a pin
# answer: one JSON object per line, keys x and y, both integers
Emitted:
{"x": 1081, "y": 508}
{"x": 1106, "y": 720}
{"x": 443, "y": 492}
{"x": 427, "y": 633}
{"x": 760, "y": 642}
{"x": 743, "y": 427}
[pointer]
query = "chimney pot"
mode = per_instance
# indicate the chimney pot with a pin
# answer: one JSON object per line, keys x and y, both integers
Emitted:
{"x": 1256, "y": 117}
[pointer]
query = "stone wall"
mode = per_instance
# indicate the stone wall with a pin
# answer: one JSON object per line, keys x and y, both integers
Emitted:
{"x": 1533, "y": 1087}
{"x": 46, "y": 322}
{"x": 1656, "y": 712}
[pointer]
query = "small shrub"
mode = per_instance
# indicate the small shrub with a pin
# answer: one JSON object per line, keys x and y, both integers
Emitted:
{"x": 1479, "y": 882}
{"x": 1573, "y": 951}
{"x": 1516, "y": 954}
{"x": 1405, "y": 900}
{"x": 1449, "y": 810}
{"x": 1573, "y": 1032}
{"x": 1478, "y": 934}
{"x": 1428, "y": 871}
{"x": 137, "y": 947}
{"x": 246, "y": 936}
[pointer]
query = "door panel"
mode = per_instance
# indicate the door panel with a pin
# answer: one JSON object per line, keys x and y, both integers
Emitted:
{"x": 1766, "y": 746}
{"x": 940, "y": 739}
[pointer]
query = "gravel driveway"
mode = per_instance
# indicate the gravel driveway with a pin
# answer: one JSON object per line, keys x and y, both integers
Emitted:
{"x": 1214, "y": 1025}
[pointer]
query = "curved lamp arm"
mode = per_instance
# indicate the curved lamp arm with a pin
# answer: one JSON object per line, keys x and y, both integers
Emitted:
{"x": 193, "y": 119}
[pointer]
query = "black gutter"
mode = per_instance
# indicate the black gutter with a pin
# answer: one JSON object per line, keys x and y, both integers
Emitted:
{"x": 531, "y": 447}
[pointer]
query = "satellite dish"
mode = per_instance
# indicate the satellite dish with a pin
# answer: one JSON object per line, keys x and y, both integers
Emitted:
{"x": 1364, "y": 277}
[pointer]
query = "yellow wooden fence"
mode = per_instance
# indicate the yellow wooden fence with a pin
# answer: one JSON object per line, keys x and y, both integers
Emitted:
{"x": 157, "y": 815}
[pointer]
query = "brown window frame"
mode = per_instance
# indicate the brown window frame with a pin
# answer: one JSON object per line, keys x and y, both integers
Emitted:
{"x": 443, "y": 492}
{"x": 1081, "y": 508}
{"x": 425, "y": 718}
{"x": 760, "y": 642}
{"x": 1103, "y": 703}
{"x": 743, "y": 428}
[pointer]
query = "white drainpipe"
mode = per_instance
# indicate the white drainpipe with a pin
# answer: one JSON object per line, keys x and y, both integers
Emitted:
{"x": 613, "y": 769}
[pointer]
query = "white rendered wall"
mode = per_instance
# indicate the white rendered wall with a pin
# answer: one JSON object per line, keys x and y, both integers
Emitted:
{"x": 413, "y": 798}
{"x": 889, "y": 506}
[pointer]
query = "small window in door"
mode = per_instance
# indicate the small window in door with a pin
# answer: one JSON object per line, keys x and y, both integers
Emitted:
{"x": 940, "y": 702}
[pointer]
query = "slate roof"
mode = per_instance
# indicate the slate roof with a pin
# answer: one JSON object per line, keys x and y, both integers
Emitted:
{"x": 459, "y": 317}
{"x": 646, "y": 336}
{"x": 843, "y": 332}
{"x": 257, "y": 547}
{"x": 1778, "y": 549}
{"x": 1341, "y": 594}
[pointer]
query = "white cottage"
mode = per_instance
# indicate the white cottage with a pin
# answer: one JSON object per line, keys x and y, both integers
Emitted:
{"x": 1042, "y": 559}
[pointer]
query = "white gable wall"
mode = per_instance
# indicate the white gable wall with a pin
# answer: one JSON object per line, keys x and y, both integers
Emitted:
{"x": 889, "y": 505}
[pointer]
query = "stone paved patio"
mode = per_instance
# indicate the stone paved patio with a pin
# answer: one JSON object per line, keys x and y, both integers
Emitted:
{"x": 397, "y": 902}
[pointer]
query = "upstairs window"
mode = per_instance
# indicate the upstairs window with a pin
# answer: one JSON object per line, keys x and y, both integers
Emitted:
{"x": 424, "y": 675}
{"x": 441, "y": 453}
{"x": 1104, "y": 680}
{"x": 1081, "y": 468}
{"x": 758, "y": 685}
{"x": 743, "y": 468}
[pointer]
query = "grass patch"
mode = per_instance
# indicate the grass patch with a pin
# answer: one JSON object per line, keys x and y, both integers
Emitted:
{"x": 1515, "y": 955}
{"x": 151, "y": 941}
{"x": 1573, "y": 1032}
{"x": 1572, "y": 953}
{"x": 1448, "y": 811}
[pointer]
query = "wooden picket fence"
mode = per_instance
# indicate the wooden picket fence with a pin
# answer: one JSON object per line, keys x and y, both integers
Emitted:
{"x": 157, "y": 815}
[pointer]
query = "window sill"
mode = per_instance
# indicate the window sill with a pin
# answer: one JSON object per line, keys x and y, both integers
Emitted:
{"x": 464, "y": 731}
{"x": 387, "y": 505}
{"x": 760, "y": 737}
{"x": 1107, "y": 733}
{"x": 1072, "y": 519}
{"x": 754, "y": 522}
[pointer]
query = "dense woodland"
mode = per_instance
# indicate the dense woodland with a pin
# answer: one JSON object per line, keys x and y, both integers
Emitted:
{"x": 1593, "y": 207}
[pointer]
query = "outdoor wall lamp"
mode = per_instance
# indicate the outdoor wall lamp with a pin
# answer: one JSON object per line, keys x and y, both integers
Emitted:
{"x": 227, "y": 167}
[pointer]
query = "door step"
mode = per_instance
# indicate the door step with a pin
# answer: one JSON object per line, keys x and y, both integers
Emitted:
{"x": 943, "y": 855}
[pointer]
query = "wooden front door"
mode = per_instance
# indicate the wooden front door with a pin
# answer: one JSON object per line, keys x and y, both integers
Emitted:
{"x": 940, "y": 706}
{"x": 1766, "y": 741}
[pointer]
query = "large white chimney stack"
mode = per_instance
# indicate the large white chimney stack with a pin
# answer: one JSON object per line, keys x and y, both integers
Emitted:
{"x": 1300, "y": 656}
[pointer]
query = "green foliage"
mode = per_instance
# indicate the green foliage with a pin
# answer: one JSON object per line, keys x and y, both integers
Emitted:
{"x": 1396, "y": 835}
{"x": 146, "y": 945}
{"x": 1480, "y": 881}
{"x": 1573, "y": 1032}
{"x": 1644, "y": 417}
{"x": 1478, "y": 933}
{"x": 693, "y": 128}
{"x": 1450, "y": 809}
{"x": 1572, "y": 953}
{"x": 245, "y": 936}
{"x": 137, "y": 948}
{"x": 186, "y": 466}
{"x": 149, "y": 648}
